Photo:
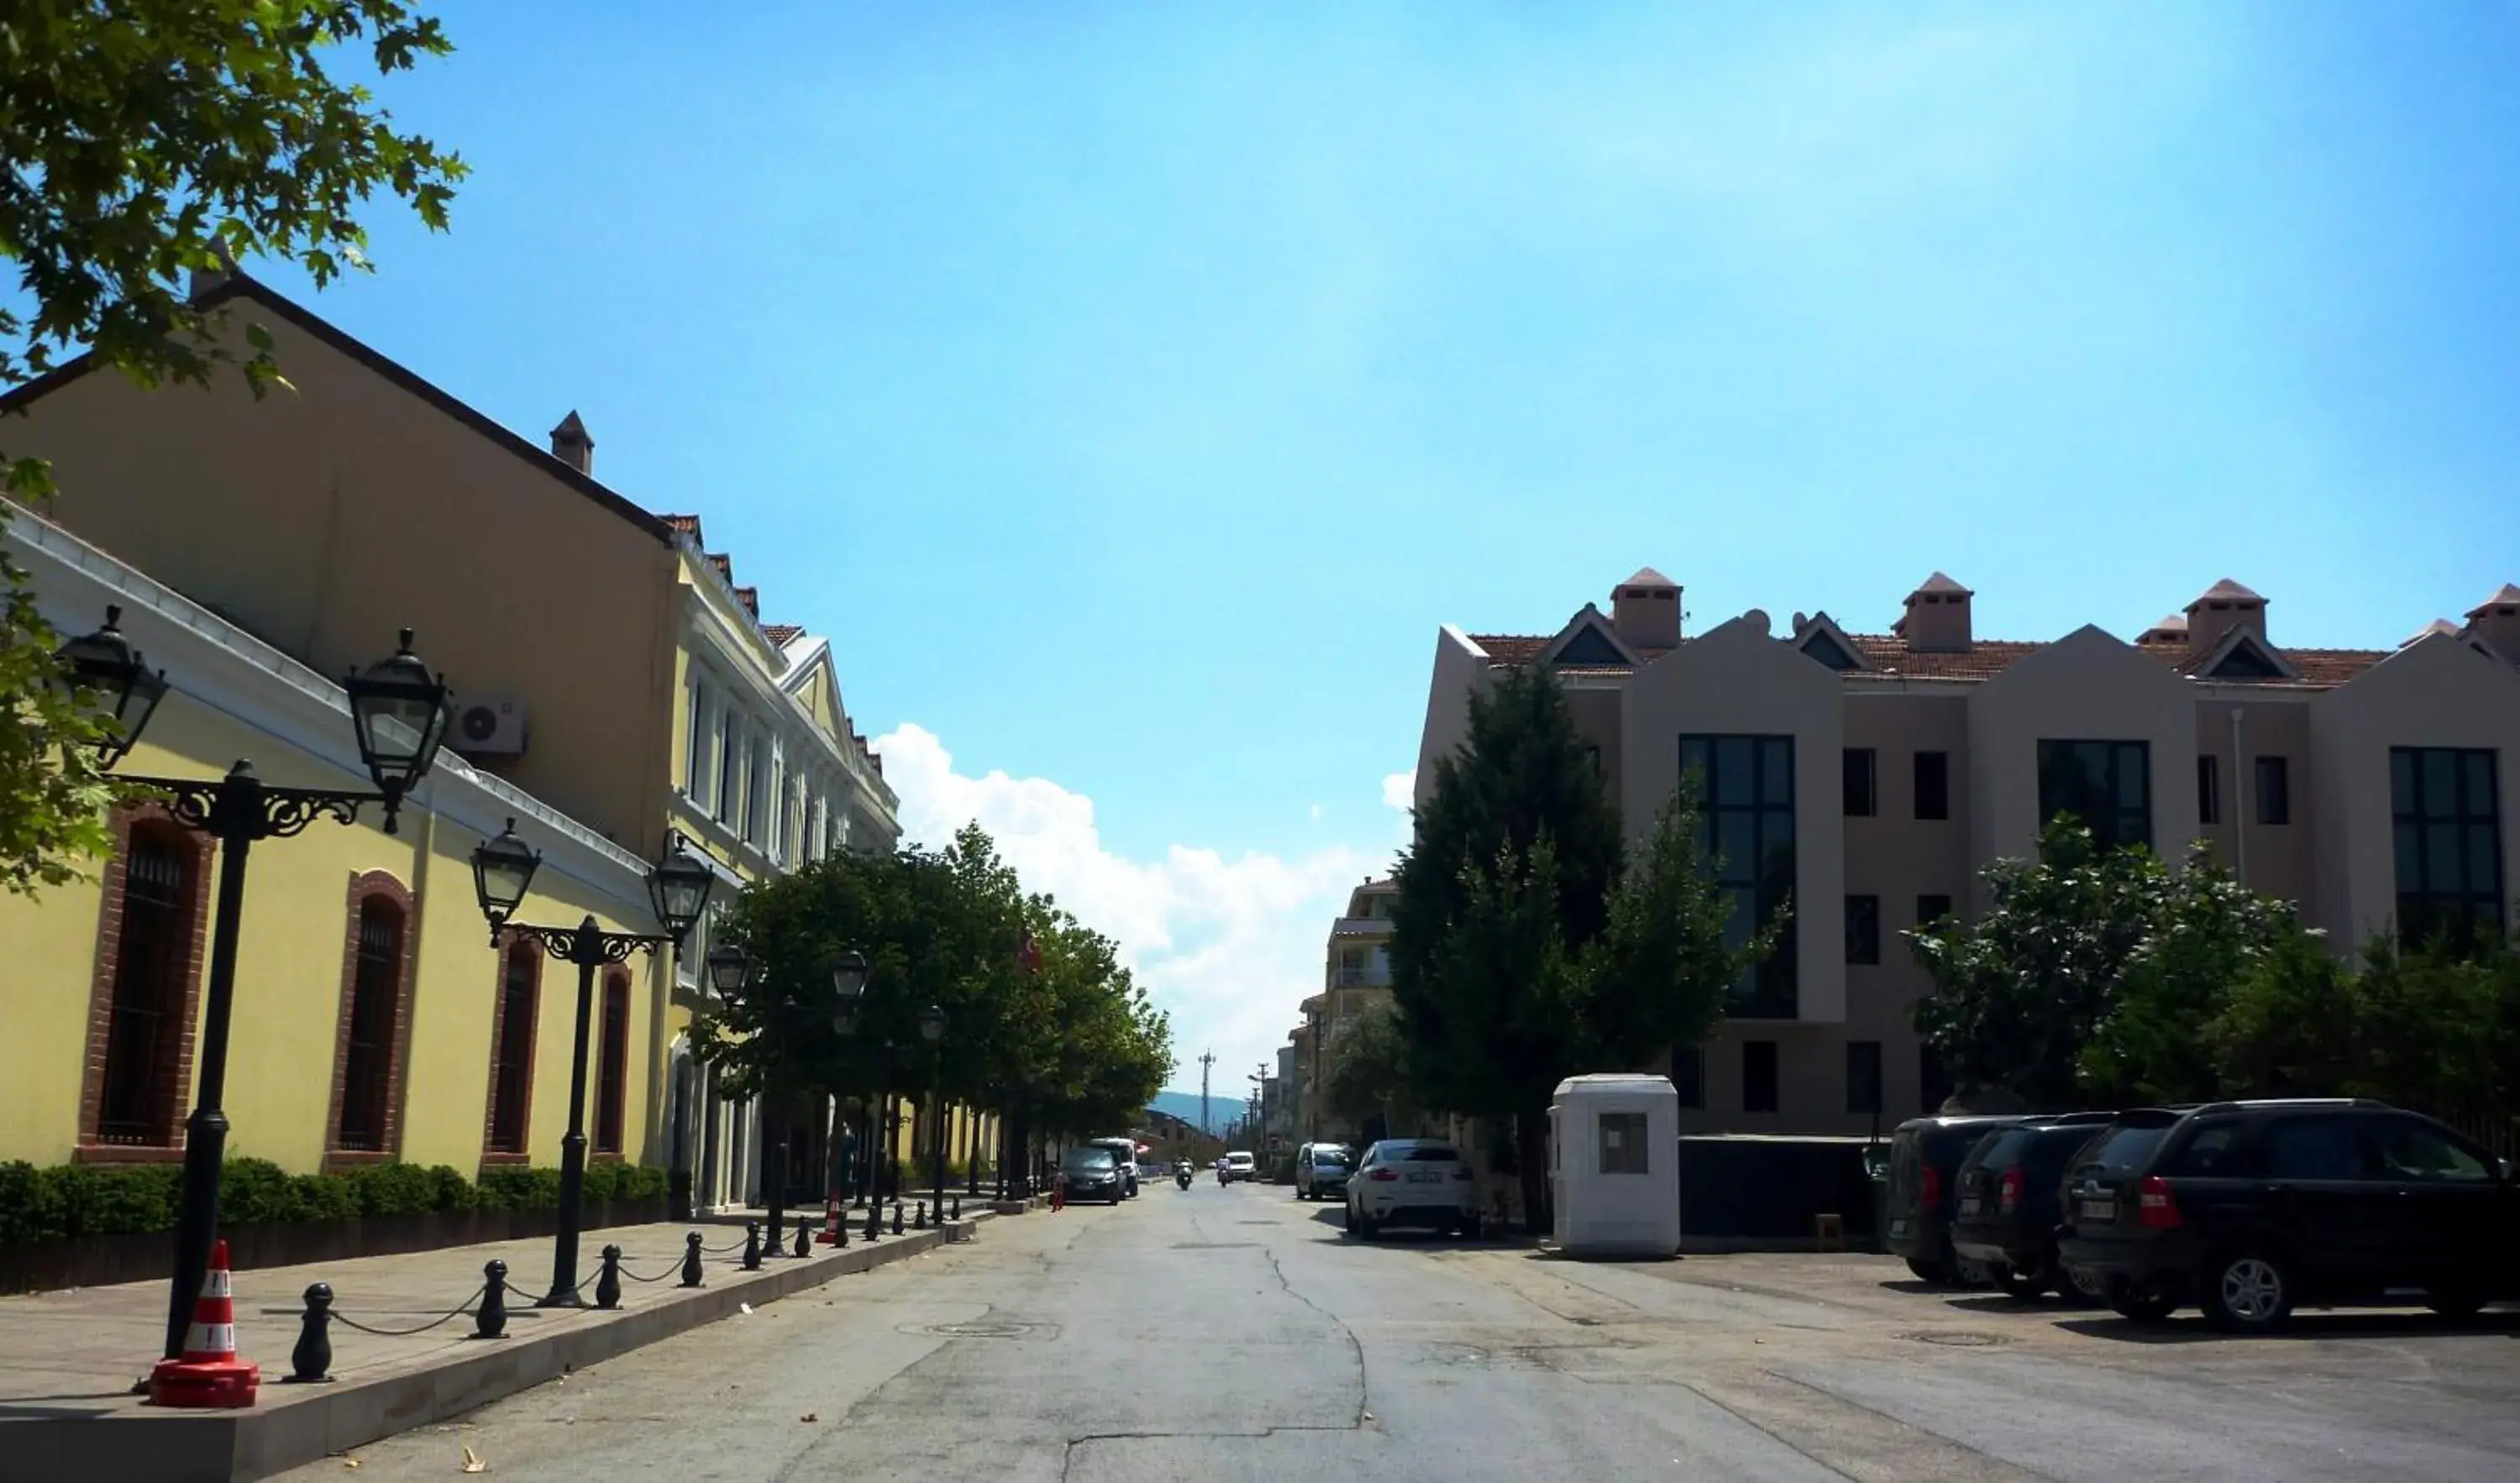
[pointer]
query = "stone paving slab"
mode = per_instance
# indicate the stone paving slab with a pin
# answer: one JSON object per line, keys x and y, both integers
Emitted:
{"x": 68, "y": 1359}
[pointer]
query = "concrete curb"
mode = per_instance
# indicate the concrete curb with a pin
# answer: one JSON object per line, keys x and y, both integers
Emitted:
{"x": 312, "y": 1423}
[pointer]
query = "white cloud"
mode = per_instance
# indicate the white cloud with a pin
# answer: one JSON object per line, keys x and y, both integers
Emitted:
{"x": 1400, "y": 790}
{"x": 1229, "y": 947}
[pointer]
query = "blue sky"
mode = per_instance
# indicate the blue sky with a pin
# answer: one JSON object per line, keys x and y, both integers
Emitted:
{"x": 1131, "y": 392}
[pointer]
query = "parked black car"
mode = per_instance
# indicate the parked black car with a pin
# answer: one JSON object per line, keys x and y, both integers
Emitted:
{"x": 2247, "y": 1208}
{"x": 2011, "y": 1202}
{"x": 1925, "y": 1154}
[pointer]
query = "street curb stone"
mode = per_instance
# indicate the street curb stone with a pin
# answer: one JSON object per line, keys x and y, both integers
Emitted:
{"x": 147, "y": 1445}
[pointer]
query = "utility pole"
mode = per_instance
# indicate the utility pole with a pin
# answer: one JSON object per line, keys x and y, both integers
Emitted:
{"x": 1206, "y": 1059}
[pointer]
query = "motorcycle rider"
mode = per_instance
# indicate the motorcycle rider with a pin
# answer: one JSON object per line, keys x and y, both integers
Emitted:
{"x": 1181, "y": 1172}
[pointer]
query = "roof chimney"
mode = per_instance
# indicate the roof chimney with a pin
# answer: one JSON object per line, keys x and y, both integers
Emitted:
{"x": 2496, "y": 620}
{"x": 2225, "y": 606}
{"x": 1937, "y": 617}
{"x": 204, "y": 280}
{"x": 571, "y": 446}
{"x": 1645, "y": 611}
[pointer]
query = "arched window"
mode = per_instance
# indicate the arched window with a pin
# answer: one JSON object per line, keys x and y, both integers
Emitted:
{"x": 141, "y": 1036}
{"x": 511, "y": 1047}
{"x": 371, "y": 1017}
{"x": 612, "y": 1067}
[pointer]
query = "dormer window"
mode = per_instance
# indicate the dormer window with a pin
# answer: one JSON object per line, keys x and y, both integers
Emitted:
{"x": 1828, "y": 652}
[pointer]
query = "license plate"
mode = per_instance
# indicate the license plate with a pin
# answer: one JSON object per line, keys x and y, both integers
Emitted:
{"x": 1425, "y": 1179}
{"x": 1971, "y": 1205}
{"x": 2098, "y": 1209}
{"x": 1899, "y": 1227}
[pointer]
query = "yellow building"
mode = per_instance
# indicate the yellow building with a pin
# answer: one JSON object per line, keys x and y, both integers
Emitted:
{"x": 374, "y": 1019}
{"x": 604, "y": 658}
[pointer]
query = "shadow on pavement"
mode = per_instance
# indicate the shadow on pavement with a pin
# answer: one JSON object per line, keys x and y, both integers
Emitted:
{"x": 2314, "y": 1326}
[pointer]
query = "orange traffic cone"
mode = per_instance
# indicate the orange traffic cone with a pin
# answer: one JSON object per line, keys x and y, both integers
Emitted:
{"x": 210, "y": 1374}
{"x": 831, "y": 1235}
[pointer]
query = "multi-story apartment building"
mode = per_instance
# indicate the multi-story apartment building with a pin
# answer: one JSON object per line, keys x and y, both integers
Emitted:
{"x": 1356, "y": 974}
{"x": 1868, "y": 778}
{"x": 604, "y": 658}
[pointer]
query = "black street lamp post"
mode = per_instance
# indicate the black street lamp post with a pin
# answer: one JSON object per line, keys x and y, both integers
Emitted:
{"x": 399, "y": 713}
{"x": 678, "y": 888}
{"x": 931, "y": 1029}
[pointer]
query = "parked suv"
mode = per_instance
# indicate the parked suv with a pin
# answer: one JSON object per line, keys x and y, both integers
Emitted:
{"x": 1124, "y": 1156}
{"x": 1321, "y": 1171}
{"x": 1421, "y": 1182}
{"x": 1925, "y": 1154}
{"x": 2247, "y": 1208}
{"x": 2009, "y": 1206}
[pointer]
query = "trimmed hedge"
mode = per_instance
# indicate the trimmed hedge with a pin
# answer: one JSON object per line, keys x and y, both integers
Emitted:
{"x": 74, "y": 1200}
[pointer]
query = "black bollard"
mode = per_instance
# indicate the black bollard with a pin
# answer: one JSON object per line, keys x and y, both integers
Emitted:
{"x": 490, "y": 1319}
{"x": 692, "y": 1260}
{"x": 753, "y": 1246}
{"x": 312, "y": 1362}
{"x": 874, "y": 1219}
{"x": 920, "y": 1223}
{"x": 804, "y": 1237}
{"x": 840, "y": 1238}
{"x": 607, "y": 1286}
{"x": 957, "y": 1207}
{"x": 896, "y": 1217}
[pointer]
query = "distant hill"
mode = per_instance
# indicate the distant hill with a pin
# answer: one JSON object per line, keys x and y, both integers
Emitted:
{"x": 1221, "y": 1109}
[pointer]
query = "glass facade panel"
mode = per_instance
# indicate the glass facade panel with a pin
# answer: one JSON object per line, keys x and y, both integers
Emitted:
{"x": 2106, "y": 785}
{"x": 2448, "y": 853}
{"x": 1746, "y": 788}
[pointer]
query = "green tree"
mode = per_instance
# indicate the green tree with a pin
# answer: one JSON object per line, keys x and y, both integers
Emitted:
{"x": 1365, "y": 1070}
{"x": 2018, "y": 991}
{"x": 2204, "y": 932}
{"x": 1527, "y": 945}
{"x": 144, "y": 140}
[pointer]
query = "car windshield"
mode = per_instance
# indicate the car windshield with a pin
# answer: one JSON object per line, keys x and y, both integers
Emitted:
{"x": 1329, "y": 1158}
{"x": 1084, "y": 1160}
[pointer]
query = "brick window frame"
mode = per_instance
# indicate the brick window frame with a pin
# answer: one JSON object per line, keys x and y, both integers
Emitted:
{"x": 493, "y": 1157}
{"x": 363, "y": 886}
{"x": 198, "y": 853}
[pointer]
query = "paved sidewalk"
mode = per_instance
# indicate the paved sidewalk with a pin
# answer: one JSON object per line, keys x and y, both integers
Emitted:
{"x": 68, "y": 1359}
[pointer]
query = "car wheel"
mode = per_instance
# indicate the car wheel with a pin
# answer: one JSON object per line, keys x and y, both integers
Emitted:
{"x": 1471, "y": 1229}
{"x": 2024, "y": 1286}
{"x": 1368, "y": 1229}
{"x": 1969, "y": 1272}
{"x": 1935, "y": 1272}
{"x": 2085, "y": 1291}
{"x": 2247, "y": 1291}
{"x": 2454, "y": 1302}
{"x": 2135, "y": 1307}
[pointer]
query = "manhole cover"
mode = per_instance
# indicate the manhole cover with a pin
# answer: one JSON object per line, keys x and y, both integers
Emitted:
{"x": 977, "y": 1328}
{"x": 1960, "y": 1339}
{"x": 1176, "y": 1246}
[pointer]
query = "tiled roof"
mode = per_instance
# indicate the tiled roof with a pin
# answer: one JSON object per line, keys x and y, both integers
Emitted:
{"x": 2319, "y": 668}
{"x": 750, "y": 598}
{"x": 781, "y": 634}
{"x": 2226, "y": 591}
{"x": 2507, "y": 597}
{"x": 686, "y": 524}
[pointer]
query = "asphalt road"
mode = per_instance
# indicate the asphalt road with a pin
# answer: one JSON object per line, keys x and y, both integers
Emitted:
{"x": 1233, "y": 1334}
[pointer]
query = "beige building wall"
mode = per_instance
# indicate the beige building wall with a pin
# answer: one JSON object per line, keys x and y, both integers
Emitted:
{"x": 2086, "y": 686}
{"x": 2331, "y": 715}
{"x": 2437, "y": 691}
{"x": 1735, "y": 680}
{"x": 323, "y": 519}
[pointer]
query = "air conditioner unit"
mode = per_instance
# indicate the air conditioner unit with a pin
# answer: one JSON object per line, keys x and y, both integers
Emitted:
{"x": 489, "y": 728}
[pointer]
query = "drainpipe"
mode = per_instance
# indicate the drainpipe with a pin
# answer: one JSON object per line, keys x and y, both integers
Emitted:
{"x": 2239, "y": 815}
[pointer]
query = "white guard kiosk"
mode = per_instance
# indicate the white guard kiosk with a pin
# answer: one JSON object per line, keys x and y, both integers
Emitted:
{"x": 1614, "y": 1151}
